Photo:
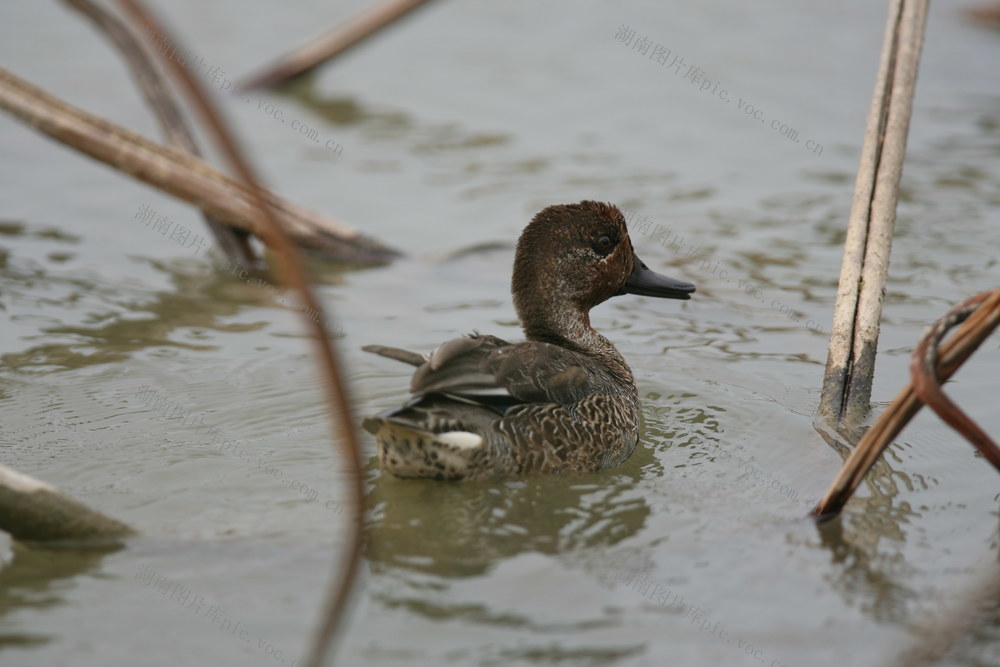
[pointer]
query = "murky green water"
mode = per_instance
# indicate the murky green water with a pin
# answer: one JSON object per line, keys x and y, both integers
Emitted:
{"x": 176, "y": 398}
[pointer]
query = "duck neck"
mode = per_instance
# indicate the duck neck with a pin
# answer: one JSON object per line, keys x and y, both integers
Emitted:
{"x": 569, "y": 327}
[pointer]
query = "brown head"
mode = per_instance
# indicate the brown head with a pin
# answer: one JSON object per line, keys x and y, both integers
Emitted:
{"x": 572, "y": 257}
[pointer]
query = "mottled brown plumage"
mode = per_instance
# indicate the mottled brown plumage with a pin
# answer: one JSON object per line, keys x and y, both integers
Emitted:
{"x": 562, "y": 400}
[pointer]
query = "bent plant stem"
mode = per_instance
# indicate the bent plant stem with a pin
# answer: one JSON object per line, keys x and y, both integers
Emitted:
{"x": 181, "y": 174}
{"x": 332, "y": 43}
{"x": 975, "y": 329}
{"x": 233, "y": 241}
{"x": 291, "y": 270}
{"x": 923, "y": 367}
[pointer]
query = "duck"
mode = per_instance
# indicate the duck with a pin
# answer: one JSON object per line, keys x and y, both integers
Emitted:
{"x": 562, "y": 400}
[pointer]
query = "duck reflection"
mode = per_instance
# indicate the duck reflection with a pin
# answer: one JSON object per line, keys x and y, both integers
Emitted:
{"x": 461, "y": 529}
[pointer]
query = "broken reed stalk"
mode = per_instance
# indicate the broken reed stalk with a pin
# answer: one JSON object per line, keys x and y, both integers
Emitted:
{"x": 33, "y": 511}
{"x": 293, "y": 272}
{"x": 331, "y": 44}
{"x": 923, "y": 368}
{"x": 977, "y": 326}
{"x": 847, "y": 383}
{"x": 181, "y": 174}
{"x": 233, "y": 242}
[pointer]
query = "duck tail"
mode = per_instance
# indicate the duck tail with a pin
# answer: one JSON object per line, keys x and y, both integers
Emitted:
{"x": 406, "y": 450}
{"x": 396, "y": 353}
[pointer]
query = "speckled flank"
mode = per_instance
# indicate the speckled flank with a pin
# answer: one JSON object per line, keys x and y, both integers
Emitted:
{"x": 405, "y": 452}
{"x": 564, "y": 399}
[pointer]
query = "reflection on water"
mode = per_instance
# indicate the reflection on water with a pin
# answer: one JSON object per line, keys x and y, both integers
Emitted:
{"x": 37, "y": 578}
{"x": 115, "y": 321}
{"x": 872, "y": 578}
{"x": 463, "y": 529}
{"x": 388, "y": 125}
{"x": 429, "y": 541}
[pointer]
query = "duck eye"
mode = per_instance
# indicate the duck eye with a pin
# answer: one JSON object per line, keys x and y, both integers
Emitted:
{"x": 604, "y": 244}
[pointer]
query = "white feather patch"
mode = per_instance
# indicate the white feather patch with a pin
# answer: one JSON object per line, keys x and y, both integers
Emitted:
{"x": 460, "y": 439}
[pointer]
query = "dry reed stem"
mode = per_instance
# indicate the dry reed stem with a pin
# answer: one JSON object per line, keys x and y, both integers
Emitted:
{"x": 332, "y": 43}
{"x": 291, "y": 270}
{"x": 33, "y": 511}
{"x": 182, "y": 175}
{"x": 976, "y": 327}
{"x": 234, "y": 242}
{"x": 846, "y": 395}
{"x": 923, "y": 367}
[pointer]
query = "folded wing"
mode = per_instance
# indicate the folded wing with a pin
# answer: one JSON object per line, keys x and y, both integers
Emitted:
{"x": 489, "y": 371}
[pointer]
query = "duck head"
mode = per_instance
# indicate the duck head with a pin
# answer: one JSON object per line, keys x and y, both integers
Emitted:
{"x": 573, "y": 257}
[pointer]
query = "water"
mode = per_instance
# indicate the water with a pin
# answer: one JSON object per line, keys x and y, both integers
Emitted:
{"x": 184, "y": 402}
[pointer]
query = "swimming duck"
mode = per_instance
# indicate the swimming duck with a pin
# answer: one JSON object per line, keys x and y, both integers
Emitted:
{"x": 562, "y": 400}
